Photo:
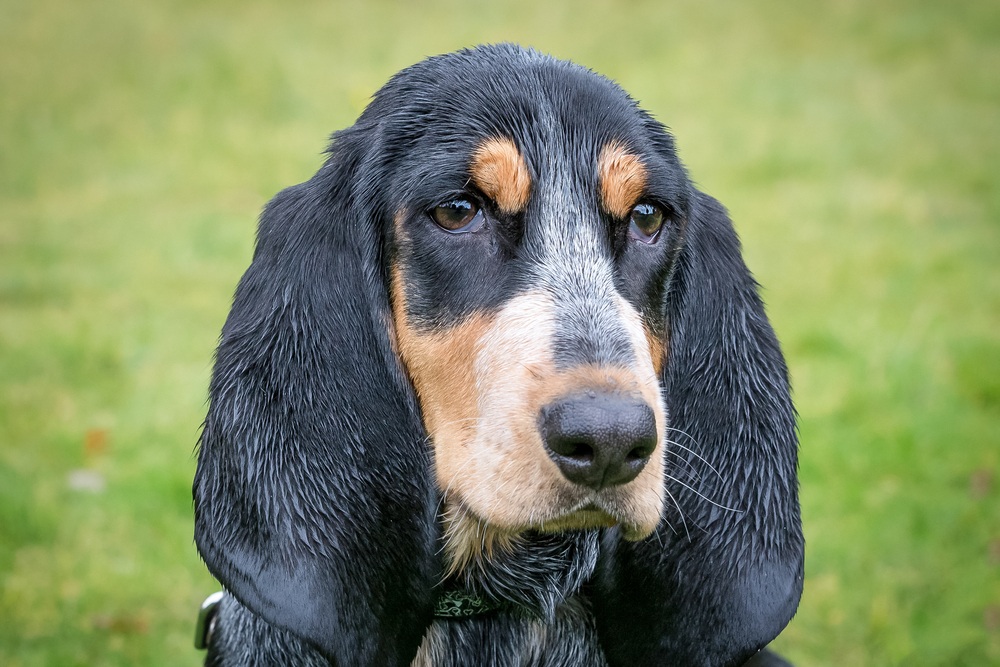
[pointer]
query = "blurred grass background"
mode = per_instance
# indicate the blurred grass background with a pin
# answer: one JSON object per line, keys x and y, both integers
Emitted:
{"x": 857, "y": 145}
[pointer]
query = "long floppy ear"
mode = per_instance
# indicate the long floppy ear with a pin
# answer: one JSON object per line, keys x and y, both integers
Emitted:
{"x": 314, "y": 500}
{"x": 723, "y": 574}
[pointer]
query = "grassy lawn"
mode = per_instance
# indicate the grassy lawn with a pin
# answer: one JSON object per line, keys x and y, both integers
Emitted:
{"x": 857, "y": 145}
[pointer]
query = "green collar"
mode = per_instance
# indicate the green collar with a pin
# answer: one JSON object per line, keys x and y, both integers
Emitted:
{"x": 460, "y": 604}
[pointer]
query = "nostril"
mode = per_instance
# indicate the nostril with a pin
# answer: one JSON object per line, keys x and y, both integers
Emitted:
{"x": 574, "y": 448}
{"x": 641, "y": 452}
{"x": 580, "y": 451}
{"x": 637, "y": 454}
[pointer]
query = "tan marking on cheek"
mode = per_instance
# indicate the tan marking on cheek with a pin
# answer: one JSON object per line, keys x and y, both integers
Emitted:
{"x": 506, "y": 474}
{"x": 657, "y": 349}
{"x": 649, "y": 348}
{"x": 498, "y": 169}
{"x": 440, "y": 366}
{"x": 621, "y": 177}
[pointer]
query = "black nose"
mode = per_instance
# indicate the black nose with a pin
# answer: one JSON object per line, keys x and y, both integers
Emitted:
{"x": 599, "y": 439}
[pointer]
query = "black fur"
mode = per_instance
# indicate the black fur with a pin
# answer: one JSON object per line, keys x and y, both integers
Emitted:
{"x": 315, "y": 501}
{"x": 725, "y": 568}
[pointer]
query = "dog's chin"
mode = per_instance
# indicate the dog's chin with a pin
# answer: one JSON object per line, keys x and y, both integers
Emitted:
{"x": 592, "y": 516}
{"x": 568, "y": 510}
{"x": 584, "y": 518}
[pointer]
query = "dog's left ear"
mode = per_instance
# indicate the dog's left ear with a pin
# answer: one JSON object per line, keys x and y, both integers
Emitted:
{"x": 723, "y": 574}
{"x": 314, "y": 499}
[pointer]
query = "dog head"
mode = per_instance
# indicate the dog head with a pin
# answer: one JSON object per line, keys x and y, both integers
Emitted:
{"x": 490, "y": 299}
{"x": 536, "y": 213}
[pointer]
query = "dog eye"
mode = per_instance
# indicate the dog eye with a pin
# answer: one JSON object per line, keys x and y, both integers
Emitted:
{"x": 645, "y": 222}
{"x": 458, "y": 216}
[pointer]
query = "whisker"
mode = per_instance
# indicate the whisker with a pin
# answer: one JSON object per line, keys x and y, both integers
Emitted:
{"x": 680, "y": 513}
{"x": 680, "y": 459}
{"x": 701, "y": 495}
{"x": 691, "y": 451}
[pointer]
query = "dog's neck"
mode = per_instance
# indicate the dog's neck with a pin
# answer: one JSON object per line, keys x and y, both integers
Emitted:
{"x": 534, "y": 573}
{"x": 524, "y": 591}
{"x": 526, "y": 571}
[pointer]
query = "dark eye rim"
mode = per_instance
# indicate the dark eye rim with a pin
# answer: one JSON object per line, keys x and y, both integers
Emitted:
{"x": 637, "y": 233}
{"x": 474, "y": 223}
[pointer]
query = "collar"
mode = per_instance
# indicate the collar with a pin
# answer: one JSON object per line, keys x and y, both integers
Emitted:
{"x": 462, "y": 604}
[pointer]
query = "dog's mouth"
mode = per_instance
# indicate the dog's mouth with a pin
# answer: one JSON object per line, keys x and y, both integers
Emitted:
{"x": 596, "y": 510}
{"x": 469, "y": 537}
{"x": 596, "y": 513}
{"x": 588, "y": 516}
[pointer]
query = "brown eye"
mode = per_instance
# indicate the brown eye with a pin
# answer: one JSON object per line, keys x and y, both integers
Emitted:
{"x": 458, "y": 215}
{"x": 645, "y": 222}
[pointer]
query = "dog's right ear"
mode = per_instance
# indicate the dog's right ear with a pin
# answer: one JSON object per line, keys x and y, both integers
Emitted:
{"x": 314, "y": 496}
{"x": 715, "y": 589}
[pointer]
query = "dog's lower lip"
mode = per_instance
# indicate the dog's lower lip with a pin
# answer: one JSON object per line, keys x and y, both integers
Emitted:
{"x": 594, "y": 513}
{"x": 589, "y": 515}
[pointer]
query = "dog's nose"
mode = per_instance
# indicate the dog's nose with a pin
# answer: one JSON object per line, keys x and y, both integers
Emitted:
{"x": 598, "y": 439}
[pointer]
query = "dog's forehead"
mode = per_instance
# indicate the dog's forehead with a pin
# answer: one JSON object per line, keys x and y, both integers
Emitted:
{"x": 529, "y": 132}
{"x": 437, "y": 115}
{"x": 544, "y": 105}
{"x": 507, "y": 84}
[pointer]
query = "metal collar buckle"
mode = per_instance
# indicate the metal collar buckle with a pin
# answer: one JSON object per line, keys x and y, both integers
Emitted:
{"x": 206, "y": 620}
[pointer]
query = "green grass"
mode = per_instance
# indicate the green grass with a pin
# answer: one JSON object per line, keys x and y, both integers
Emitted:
{"x": 856, "y": 144}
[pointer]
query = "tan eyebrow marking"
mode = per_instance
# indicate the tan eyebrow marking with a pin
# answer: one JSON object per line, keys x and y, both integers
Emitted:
{"x": 621, "y": 177}
{"x": 498, "y": 169}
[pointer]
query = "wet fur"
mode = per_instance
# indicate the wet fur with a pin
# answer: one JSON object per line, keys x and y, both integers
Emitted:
{"x": 316, "y": 501}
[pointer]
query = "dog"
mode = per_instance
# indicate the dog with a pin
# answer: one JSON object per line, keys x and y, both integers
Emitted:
{"x": 498, "y": 389}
